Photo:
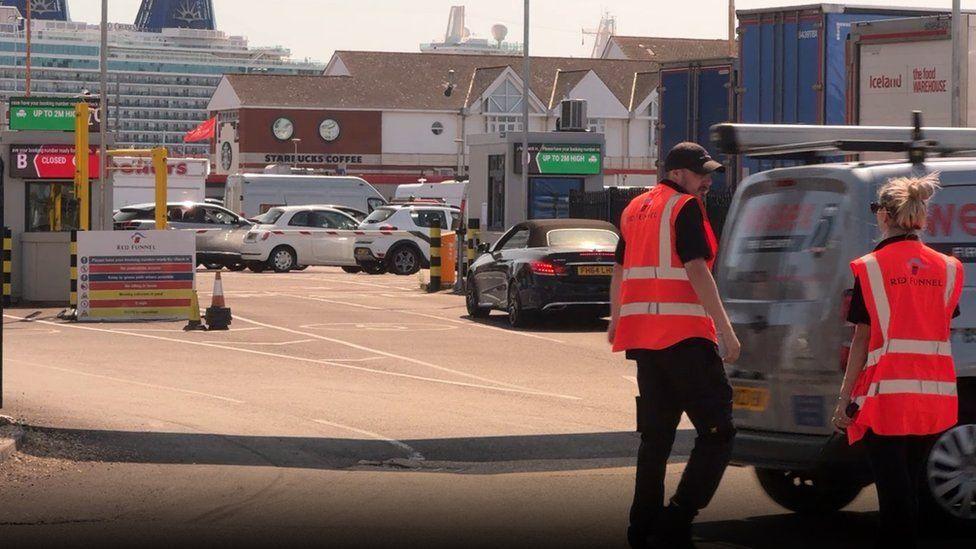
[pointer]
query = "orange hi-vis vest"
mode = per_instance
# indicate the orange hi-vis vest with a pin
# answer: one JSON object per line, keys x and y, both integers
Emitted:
{"x": 658, "y": 305}
{"x": 908, "y": 386}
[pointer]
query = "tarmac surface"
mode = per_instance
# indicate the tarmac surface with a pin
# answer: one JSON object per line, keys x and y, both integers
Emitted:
{"x": 345, "y": 410}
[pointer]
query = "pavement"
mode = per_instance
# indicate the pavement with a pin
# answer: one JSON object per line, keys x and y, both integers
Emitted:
{"x": 346, "y": 410}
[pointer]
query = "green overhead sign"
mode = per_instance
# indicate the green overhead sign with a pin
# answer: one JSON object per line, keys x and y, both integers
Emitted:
{"x": 49, "y": 114}
{"x": 561, "y": 159}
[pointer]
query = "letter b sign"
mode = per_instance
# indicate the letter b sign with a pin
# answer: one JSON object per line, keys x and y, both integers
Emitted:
{"x": 21, "y": 161}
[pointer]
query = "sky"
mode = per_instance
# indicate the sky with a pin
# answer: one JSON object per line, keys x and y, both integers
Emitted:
{"x": 315, "y": 28}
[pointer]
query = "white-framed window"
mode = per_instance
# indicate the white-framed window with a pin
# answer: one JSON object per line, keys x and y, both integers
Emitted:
{"x": 503, "y": 109}
{"x": 654, "y": 114}
{"x": 598, "y": 125}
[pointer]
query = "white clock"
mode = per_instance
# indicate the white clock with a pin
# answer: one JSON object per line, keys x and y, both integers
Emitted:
{"x": 283, "y": 129}
{"x": 329, "y": 130}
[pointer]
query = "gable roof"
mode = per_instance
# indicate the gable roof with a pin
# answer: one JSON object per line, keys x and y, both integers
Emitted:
{"x": 564, "y": 83}
{"x": 644, "y": 84}
{"x": 416, "y": 81}
{"x": 666, "y": 50}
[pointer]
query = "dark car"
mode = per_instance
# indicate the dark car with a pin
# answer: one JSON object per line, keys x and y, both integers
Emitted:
{"x": 545, "y": 266}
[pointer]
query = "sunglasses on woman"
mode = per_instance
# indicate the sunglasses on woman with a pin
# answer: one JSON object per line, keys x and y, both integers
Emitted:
{"x": 875, "y": 207}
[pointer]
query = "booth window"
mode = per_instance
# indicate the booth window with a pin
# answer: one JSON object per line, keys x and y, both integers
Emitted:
{"x": 496, "y": 192}
{"x": 549, "y": 196}
{"x": 51, "y": 207}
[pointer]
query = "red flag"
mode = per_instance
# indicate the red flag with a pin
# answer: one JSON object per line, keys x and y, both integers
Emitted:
{"x": 203, "y": 132}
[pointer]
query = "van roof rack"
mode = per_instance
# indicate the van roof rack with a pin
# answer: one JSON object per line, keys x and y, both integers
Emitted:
{"x": 803, "y": 142}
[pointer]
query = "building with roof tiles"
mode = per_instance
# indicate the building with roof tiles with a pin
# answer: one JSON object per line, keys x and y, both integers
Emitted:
{"x": 397, "y": 117}
{"x": 665, "y": 50}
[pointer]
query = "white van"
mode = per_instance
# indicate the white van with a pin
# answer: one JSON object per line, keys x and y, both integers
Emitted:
{"x": 783, "y": 273}
{"x": 253, "y": 194}
{"x": 453, "y": 193}
{"x": 134, "y": 180}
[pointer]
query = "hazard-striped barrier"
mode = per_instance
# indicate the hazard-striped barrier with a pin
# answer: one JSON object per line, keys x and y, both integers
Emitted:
{"x": 435, "y": 260}
{"x": 8, "y": 265}
{"x": 73, "y": 251}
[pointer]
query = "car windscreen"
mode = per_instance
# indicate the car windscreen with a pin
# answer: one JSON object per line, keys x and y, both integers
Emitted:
{"x": 587, "y": 239}
{"x": 131, "y": 214}
{"x": 269, "y": 217}
{"x": 785, "y": 241}
{"x": 380, "y": 215}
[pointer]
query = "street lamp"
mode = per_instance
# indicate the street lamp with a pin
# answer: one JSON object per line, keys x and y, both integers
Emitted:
{"x": 296, "y": 141}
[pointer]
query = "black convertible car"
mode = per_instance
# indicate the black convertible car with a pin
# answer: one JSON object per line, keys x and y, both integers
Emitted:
{"x": 545, "y": 266}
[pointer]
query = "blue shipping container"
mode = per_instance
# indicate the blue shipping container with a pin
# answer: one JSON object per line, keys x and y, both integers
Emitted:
{"x": 793, "y": 64}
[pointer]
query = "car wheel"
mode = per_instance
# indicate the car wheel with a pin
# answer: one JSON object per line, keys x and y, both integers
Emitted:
{"x": 404, "y": 261}
{"x": 809, "y": 493}
{"x": 352, "y": 270}
{"x": 472, "y": 302}
{"x": 518, "y": 317}
{"x": 949, "y": 492}
{"x": 256, "y": 266}
{"x": 237, "y": 267}
{"x": 282, "y": 259}
{"x": 374, "y": 268}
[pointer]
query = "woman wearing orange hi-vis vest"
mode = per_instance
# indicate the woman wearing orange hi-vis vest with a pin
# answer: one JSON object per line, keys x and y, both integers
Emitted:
{"x": 664, "y": 312}
{"x": 900, "y": 391}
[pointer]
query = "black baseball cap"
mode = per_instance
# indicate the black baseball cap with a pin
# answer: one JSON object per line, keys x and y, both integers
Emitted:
{"x": 692, "y": 156}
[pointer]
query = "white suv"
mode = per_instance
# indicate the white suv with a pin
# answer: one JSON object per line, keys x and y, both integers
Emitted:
{"x": 400, "y": 237}
{"x": 293, "y": 237}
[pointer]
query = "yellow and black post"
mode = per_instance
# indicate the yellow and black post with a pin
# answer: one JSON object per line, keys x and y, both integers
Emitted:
{"x": 474, "y": 226}
{"x": 73, "y": 299}
{"x": 435, "y": 260}
{"x": 8, "y": 265}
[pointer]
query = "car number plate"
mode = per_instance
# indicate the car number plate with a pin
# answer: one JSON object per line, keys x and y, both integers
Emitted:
{"x": 750, "y": 398}
{"x": 595, "y": 270}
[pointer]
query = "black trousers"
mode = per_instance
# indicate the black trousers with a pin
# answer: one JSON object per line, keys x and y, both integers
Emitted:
{"x": 898, "y": 463}
{"x": 688, "y": 377}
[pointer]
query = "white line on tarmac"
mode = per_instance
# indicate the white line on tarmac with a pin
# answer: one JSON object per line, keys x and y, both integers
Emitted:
{"x": 171, "y": 330}
{"x": 480, "y": 325}
{"x": 275, "y": 344}
{"x": 302, "y": 359}
{"x": 414, "y": 455}
{"x": 128, "y": 381}
{"x": 333, "y": 301}
{"x": 391, "y": 355}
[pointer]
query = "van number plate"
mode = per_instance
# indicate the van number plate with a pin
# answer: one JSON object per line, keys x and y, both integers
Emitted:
{"x": 750, "y": 398}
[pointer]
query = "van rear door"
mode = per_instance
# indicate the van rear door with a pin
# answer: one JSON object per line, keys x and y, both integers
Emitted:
{"x": 952, "y": 230}
{"x": 782, "y": 275}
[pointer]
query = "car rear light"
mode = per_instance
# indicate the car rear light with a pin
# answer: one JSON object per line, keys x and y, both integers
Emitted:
{"x": 547, "y": 268}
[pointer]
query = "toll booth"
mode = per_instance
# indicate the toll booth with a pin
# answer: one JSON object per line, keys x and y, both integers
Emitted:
{"x": 40, "y": 209}
{"x": 559, "y": 163}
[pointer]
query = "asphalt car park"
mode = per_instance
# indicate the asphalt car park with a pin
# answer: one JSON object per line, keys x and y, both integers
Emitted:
{"x": 338, "y": 402}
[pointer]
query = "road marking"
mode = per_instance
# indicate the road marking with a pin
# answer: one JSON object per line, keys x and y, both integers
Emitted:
{"x": 480, "y": 325}
{"x": 399, "y": 357}
{"x": 304, "y": 359}
{"x": 414, "y": 454}
{"x": 333, "y": 301}
{"x": 128, "y": 381}
{"x": 276, "y": 344}
{"x": 173, "y": 330}
{"x": 381, "y": 326}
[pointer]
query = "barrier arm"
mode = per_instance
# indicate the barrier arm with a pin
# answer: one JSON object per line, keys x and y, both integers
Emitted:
{"x": 82, "y": 181}
{"x": 159, "y": 157}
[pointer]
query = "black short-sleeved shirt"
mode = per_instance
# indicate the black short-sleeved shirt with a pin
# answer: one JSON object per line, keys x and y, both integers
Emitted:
{"x": 690, "y": 236}
{"x": 858, "y": 313}
{"x": 691, "y": 242}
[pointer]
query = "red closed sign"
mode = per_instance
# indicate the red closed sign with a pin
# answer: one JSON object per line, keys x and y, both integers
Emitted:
{"x": 48, "y": 161}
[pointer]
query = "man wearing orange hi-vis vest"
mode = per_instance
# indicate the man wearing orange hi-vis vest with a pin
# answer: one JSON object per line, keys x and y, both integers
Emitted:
{"x": 665, "y": 309}
{"x": 900, "y": 388}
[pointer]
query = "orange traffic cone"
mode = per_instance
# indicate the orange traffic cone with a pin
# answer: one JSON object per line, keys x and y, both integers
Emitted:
{"x": 218, "y": 314}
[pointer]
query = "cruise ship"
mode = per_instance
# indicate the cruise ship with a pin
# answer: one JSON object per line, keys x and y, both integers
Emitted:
{"x": 162, "y": 69}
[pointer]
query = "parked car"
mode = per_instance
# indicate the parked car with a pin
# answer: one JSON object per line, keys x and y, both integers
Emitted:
{"x": 783, "y": 273}
{"x": 555, "y": 266}
{"x": 295, "y": 237}
{"x": 219, "y": 232}
{"x": 254, "y": 194}
{"x": 402, "y": 243}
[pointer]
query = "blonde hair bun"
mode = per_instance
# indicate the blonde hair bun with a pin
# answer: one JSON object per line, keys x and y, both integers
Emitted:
{"x": 907, "y": 200}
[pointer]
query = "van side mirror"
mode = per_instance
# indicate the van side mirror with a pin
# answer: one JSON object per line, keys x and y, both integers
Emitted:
{"x": 484, "y": 247}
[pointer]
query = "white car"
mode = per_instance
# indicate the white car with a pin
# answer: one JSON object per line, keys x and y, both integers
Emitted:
{"x": 294, "y": 237}
{"x": 399, "y": 236}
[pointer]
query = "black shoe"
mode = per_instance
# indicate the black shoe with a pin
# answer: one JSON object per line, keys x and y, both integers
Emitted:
{"x": 672, "y": 529}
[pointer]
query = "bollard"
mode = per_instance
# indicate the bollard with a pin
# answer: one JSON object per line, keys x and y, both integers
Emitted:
{"x": 435, "y": 260}
{"x": 473, "y": 229}
{"x": 8, "y": 250}
{"x": 73, "y": 249}
{"x": 194, "y": 322}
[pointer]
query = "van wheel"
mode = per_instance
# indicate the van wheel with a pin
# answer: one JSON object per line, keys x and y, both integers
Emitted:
{"x": 404, "y": 261}
{"x": 256, "y": 266}
{"x": 949, "y": 492}
{"x": 808, "y": 493}
{"x": 282, "y": 259}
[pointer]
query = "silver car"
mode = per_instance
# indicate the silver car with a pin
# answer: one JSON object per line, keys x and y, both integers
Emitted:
{"x": 219, "y": 231}
{"x": 784, "y": 276}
